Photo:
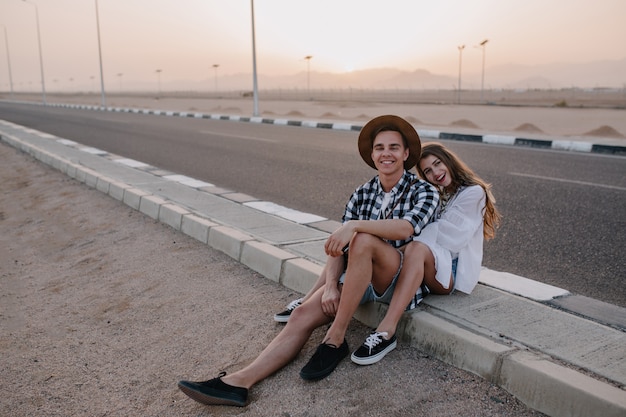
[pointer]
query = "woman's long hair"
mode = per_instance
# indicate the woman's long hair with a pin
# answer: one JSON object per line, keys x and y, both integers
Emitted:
{"x": 463, "y": 175}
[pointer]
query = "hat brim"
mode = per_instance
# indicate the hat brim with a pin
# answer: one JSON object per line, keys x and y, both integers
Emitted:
{"x": 366, "y": 138}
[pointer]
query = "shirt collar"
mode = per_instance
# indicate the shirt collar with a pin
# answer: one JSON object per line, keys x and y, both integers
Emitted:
{"x": 400, "y": 186}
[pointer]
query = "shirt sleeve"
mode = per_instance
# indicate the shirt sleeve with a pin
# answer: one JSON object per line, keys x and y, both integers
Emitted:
{"x": 351, "y": 211}
{"x": 462, "y": 218}
{"x": 425, "y": 201}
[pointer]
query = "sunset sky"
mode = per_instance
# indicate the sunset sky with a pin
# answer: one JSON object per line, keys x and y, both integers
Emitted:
{"x": 185, "y": 38}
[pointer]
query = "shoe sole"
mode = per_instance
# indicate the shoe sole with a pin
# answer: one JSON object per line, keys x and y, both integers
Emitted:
{"x": 319, "y": 375}
{"x": 324, "y": 373}
{"x": 375, "y": 358}
{"x": 281, "y": 319}
{"x": 207, "y": 399}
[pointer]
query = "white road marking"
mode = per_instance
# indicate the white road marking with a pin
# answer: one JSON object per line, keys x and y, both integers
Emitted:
{"x": 284, "y": 212}
{"x": 185, "y": 180}
{"x": 207, "y": 132}
{"x": 593, "y": 184}
{"x": 130, "y": 162}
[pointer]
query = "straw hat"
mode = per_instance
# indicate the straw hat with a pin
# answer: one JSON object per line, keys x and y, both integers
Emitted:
{"x": 389, "y": 122}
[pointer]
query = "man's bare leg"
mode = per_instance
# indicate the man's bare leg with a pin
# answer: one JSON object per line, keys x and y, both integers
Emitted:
{"x": 285, "y": 346}
{"x": 370, "y": 260}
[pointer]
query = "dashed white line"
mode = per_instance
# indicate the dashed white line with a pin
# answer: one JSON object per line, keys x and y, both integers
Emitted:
{"x": 593, "y": 184}
{"x": 207, "y": 132}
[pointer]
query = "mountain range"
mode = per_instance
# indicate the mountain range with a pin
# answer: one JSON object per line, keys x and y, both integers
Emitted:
{"x": 597, "y": 74}
{"x": 590, "y": 75}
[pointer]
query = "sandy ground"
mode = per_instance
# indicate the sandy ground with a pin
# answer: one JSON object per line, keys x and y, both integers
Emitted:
{"x": 103, "y": 310}
{"x": 595, "y": 124}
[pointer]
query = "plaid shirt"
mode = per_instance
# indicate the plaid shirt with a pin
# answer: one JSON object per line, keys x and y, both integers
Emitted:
{"x": 417, "y": 205}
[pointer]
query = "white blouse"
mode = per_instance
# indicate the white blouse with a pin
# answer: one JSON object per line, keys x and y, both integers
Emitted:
{"x": 458, "y": 233}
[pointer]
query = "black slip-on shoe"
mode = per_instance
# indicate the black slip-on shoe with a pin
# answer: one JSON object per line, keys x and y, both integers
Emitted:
{"x": 215, "y": 392}
{"x": 324, "y": 361}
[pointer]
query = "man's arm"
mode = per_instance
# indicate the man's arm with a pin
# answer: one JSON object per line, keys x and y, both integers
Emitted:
{"x": 330, "y": 298}
{"x": 390, "y": 229}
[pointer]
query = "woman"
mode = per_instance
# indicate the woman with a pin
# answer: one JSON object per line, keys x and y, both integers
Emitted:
{"x": 466, "y": 217}
{"x": 447, "y": 254}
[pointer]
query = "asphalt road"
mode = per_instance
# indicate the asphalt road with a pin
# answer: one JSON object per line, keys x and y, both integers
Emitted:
{"x": 564, "y": 212}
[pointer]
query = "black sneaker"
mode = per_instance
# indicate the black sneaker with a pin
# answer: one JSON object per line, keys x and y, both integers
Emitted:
{"x": 324, "y": 361}
{"x": 283, "y": 316}
{"x": 374, "y": 348}
{"x": 215, "y": 392}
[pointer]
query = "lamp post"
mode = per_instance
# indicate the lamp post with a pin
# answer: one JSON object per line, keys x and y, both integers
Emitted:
{"x": 460, "y": 61}
{"x": 255, "y": 93}
{"x": 102, "y": 95}
{"x": 119, "y": 75}
{"x": 482, "y": 83}
{"x": 215, "y": 67}
{"x": 308, "y": 74}
{"x": 6, "y": 40}
{"x": 158, "y": 73}
{"x": 43, "y": 82}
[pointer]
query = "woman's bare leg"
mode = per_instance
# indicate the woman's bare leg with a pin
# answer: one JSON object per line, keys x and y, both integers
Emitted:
{"x": 418, "y": 268}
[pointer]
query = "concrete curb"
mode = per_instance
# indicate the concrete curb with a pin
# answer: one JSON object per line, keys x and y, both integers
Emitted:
{"x": 538, "y": 381}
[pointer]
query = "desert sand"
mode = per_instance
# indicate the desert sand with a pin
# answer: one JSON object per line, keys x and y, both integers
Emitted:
{"x": 595, "y": 119}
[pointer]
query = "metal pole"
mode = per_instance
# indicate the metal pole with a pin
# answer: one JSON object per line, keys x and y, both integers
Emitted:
{"x": 6, "y": 39}
{"x": 482, "y": 84}
{"x": 216, "y": 66}
{"x": 255, "y": 92}
{"x": 102, "y": 97}
{"x": 43, "y": 82}
{"x": 460, "y": 61}
{"x": 308, "y": 74}
{"x": 158, "y": 72}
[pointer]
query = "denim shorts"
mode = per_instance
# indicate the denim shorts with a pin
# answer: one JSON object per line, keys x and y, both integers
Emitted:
{"x": 370, "y": 294}
{"x": 455, "y": 262}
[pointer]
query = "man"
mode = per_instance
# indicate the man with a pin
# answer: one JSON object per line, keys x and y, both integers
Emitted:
{"x": 363, "y": 263}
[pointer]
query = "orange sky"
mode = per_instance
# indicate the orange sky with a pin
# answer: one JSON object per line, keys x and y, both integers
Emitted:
{"x": 185, "y": 38}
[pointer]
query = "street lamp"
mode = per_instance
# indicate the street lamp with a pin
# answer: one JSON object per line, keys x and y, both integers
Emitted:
{"x": 255, "y": 93}
{"x": 460, "y": 61}
{"x": 103, "y": 97}
{"x": 216, "y": 66}
{"x": 119, "y": 74}
{"x": 308, "y": 74}
{"x": 43, "y": 83}
{"x": 6, "y": 40}
{"x": 158, "y": 72}
{"x": 482, "y": 84}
